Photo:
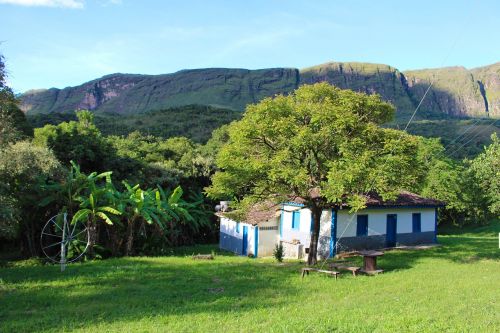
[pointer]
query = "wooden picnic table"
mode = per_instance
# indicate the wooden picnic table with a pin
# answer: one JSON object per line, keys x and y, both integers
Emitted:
{"x": 370, "y": 262}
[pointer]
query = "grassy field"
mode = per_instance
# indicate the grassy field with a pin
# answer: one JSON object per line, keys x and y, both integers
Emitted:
{"x": 452, "y": 288}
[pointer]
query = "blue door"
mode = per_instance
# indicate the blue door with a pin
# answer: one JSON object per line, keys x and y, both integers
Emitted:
{"x": 390, "y": 239}
{"x": 245, "y": 241}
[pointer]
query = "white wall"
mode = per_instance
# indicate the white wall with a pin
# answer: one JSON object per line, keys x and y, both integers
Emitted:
{"x": 251, "y": 239}
{"x": 377, "y": 220}
{"x": 303, "y": 233}
{"x": 325, "y": 226}
{"x": 377, "y": 224}
{"x": 228, "y": 226}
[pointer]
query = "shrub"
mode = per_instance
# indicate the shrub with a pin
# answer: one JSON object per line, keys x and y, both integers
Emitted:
{"x": 278, "y": 252}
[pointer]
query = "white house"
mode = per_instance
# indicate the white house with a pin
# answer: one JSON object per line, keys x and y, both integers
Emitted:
{"x": 408, "y": 220}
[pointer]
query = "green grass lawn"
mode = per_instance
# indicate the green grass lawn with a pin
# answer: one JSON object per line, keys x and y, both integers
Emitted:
{"x": 452, "y": 288}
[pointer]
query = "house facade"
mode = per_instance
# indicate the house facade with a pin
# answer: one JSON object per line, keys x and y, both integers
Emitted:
{"x": 408, "y": 220}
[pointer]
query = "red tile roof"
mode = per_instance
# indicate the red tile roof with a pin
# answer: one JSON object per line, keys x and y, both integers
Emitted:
{"x": 404, "y": 199}
{"x": 265, "y": 211}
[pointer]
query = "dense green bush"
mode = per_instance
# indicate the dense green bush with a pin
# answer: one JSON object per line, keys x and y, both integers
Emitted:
{"x": 278, "y": 252}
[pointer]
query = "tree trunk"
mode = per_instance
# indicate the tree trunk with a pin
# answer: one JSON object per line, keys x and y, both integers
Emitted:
{"x": 115, "y": 241}
{"x": 92, "y": 237}
{"x": 130, "y": 237}
{"x": 29, "y": 244}
{"x": 29, "y": 237}
{"x": 312, "y": 259}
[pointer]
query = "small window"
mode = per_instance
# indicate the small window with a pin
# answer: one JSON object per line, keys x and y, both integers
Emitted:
{"x": 237, "y": 227}
{"x": 296, "y": 220}
{"x": 417, "y": 222}
{"x": 362, "y": 226}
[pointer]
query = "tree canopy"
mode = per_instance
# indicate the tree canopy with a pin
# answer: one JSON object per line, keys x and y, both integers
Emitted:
{"x": 79, "y": 141}
{"x": 486, "y": 171}
{"x": 13, "y": 123}
{"x": 321, "y": 144}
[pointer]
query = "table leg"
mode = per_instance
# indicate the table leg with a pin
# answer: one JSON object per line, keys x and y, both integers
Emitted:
{"x": 370, "y": 264}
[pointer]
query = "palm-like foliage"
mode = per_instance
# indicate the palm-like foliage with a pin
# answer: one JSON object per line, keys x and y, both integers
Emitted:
{"x": 137, "y": 204}
{"x": 190, "y": 214}
{"x": 93, "y": 198}
{"x": 92, "y": 211}
{"x": 95, "y": 205}
{"x": 165, "y": 209}
{"x": 76, "y": 184}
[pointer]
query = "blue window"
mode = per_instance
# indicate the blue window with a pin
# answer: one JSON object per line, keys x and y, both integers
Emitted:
{"x": 237, "y": 227}
{"x": 417, "y": 222}
{"x": 362, "y": 226}
{"x": 296, "y": 220}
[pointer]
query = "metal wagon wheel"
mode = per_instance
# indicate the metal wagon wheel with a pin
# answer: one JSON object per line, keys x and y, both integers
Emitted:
{"x": 63, "y": 242}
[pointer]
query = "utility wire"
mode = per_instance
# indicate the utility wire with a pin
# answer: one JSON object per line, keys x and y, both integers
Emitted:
{"x": 471, "y": 138}
{"x": 409, "y": 121}
{"x": 461, "y": 135}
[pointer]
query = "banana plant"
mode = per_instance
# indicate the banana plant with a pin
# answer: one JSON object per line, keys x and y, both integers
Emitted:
{"x": 189, "y": 214}
{"x": 145, "y": 205}
{"x": 67, "y": 192}
{"x": 95, "y": 208}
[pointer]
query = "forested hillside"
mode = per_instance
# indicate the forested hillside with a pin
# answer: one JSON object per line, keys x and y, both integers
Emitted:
{"x": 196, "y": 122}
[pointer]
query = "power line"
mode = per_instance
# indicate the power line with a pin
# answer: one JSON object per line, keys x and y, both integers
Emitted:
{"x": 461, "y": 135}
{"x": 409, "y": 122}
{"x": 472, "y": 138}
{"x": 457, "y": 139}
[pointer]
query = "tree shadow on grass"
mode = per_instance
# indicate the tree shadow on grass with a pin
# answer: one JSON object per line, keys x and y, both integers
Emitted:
{"x": 179, "y": 288}
{"x": 135, "y": 288}
{"x": 465, "y": 247}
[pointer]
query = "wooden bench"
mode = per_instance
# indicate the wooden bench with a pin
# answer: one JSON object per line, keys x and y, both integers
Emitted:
{"x": 306, "y": 270}
{"x": 353, "y": 269}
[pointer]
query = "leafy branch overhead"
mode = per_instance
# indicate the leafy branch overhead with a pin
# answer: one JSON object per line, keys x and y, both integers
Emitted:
{"x": 321, "y": 144}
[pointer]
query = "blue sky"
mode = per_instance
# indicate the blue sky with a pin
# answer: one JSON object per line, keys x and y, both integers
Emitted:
{"x": 58, "y": 43}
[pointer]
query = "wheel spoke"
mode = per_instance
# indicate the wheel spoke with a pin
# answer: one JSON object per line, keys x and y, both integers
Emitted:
{"x": 57, "y": 225}
{"x": 51, "y": 235}
{"x": 74, "y": 228}
{"x": 74, "y": 241}
{"x": 46, "y": 247}
{"x": 74, "y": 236}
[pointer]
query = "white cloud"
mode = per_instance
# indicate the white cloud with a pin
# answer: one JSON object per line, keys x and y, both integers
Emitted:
{"x": 73, "y": 4}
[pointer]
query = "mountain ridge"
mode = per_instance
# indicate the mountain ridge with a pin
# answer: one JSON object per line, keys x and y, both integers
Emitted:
{"x": 456, "y": 91}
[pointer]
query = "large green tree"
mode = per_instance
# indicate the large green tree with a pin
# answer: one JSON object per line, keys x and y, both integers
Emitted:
{"x": 485, "y": 170}
{"x": 321, "y": 144}
{"x": 24, "y": 168}
{"x": 13, "y": 123}
{"x": 79, "y": 141}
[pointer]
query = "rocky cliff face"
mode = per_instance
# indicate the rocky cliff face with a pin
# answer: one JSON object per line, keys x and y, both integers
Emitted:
{"x": 384, "y": 80}
{"x": 488, "y": 79}
{"x": 125, "y": 93}
{"x": 456, "y": 91}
